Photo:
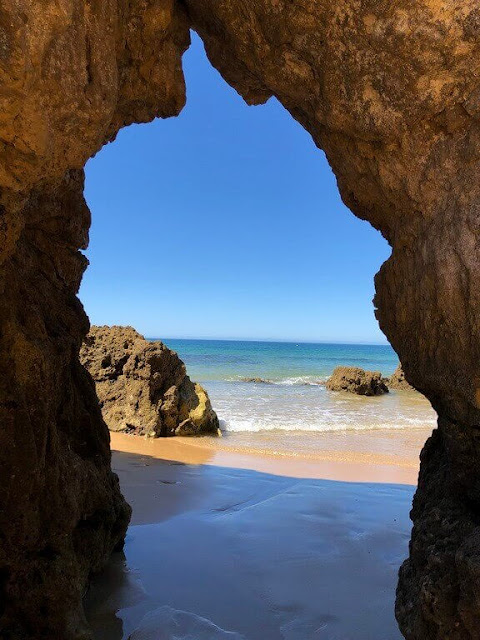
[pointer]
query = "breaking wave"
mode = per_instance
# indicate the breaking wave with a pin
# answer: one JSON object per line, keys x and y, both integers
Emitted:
{"x": 315, "y": 381}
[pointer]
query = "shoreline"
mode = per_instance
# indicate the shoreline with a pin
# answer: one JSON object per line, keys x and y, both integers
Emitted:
{"x": 353, "y": 457}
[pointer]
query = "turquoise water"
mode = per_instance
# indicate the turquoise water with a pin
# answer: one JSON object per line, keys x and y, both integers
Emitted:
{"x": 295, "y": 399}
{"x": 281, "y": 362}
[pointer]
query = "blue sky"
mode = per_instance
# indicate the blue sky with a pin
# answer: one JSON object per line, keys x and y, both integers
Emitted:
{"x": 226, "y": 222}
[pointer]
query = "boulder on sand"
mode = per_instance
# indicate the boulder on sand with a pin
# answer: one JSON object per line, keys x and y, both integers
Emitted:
{"x": 398, "y": 381}
{"x": 143, "y": 386}
{"x": 356, "y": 380}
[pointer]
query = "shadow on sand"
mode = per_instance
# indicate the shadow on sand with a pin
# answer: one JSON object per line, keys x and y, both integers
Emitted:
{"x": 217, "y": 552}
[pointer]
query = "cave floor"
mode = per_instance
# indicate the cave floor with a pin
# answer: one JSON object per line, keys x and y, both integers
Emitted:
{"x": 217, "y": 552}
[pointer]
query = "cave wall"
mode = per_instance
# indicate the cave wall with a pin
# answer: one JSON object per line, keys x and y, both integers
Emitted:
{"x": 72, "y": 73}
{"x": 390, "y": 90}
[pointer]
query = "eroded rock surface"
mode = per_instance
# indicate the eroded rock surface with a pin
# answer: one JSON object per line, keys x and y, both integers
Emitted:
{"x": 61, "y": 511}
{"x": 398, "y": 381}
{"x": 391, "y": 92}
{"x": 358, "y": 381}
{"x": 72, "y": 73}
{"x": 143, "y": 386}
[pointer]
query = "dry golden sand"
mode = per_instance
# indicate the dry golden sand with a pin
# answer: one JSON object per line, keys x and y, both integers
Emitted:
{"x": 364, "y": 456}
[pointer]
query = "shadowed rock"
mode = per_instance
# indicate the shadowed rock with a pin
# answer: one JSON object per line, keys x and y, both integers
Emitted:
{"x": 72, "y": 73}
{"x": 358, "y": 381}
{"x": 61, "y": 510}
{"x": 143, "y": 386}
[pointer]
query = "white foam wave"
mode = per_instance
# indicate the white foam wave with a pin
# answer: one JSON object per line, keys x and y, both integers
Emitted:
{"x": 257, "y": 425}
{"x": 303, "y": 380}
{"x": 316, "y": 381}
{"x": 291, "y": 407}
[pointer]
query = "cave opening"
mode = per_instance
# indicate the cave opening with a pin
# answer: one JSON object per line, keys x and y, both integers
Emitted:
{"x": 241, "y": 196}
{"x": 390, "y": 92}
{"x": 259, "y": 168}
{"x": 231, "y": 211}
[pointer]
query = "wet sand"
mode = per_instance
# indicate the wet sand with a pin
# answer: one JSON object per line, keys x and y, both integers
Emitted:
{"x": 227, "y": 544}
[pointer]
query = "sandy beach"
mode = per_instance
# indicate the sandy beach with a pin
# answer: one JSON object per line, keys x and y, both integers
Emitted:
{"x": 358, "y": 456}
{"x": 234, "y": 545}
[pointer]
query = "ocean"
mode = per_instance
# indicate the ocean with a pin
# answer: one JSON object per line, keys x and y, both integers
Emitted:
{"x": 292, "y": 405}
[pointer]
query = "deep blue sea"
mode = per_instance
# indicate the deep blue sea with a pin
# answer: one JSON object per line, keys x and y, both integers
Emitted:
{"x": 293, "y": 397}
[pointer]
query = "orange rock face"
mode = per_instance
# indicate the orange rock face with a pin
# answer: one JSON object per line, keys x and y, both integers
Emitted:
{"x": 390, "y": 91}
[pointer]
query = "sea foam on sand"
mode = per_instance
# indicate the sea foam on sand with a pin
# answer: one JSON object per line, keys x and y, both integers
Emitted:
{"x": 166, "y": 623}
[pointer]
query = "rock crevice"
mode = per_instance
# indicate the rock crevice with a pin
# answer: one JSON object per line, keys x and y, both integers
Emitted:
{"x": 398, "y": 381}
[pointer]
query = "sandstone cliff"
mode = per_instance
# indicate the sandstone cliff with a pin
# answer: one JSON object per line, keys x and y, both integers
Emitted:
{"x": 143, "y": 386}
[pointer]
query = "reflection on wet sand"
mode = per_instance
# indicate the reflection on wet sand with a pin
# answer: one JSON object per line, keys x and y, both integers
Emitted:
{"x": 221, "y": 552}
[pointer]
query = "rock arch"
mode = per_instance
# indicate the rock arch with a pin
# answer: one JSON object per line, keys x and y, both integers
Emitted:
{"x": 390, "y": 91}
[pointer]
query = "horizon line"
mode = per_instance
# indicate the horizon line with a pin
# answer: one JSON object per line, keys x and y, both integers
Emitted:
{"x": 277, "y": 340}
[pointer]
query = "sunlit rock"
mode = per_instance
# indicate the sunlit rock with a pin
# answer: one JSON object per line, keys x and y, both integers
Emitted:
{"x": 143, "y": 385}
{"x": 358, "y": 381}
{"x": 398, "y": 381}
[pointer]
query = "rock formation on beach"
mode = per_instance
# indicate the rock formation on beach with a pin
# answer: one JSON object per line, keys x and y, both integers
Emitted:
{"x": 358, "y": 381}
{"x": 398, "y": 381}
{"x": 390, "y": 91}
{"x": 143, "y": 386}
